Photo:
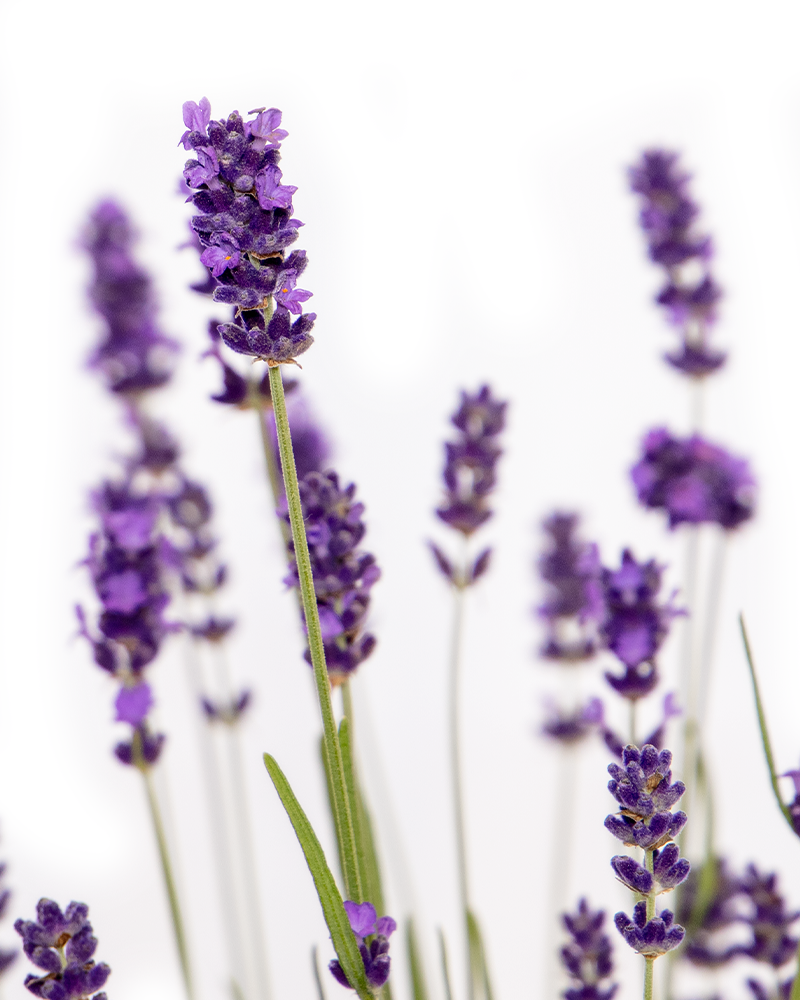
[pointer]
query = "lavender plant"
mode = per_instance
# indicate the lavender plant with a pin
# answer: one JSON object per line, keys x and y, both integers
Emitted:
{"x": 644, "y": 789}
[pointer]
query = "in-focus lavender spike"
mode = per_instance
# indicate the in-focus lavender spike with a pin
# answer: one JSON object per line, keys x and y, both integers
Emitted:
{"x": 245, "y": 226}
{"x": 62, "y": 946}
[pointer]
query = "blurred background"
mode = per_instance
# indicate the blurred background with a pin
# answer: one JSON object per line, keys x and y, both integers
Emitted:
{"x": 461, "y": 174}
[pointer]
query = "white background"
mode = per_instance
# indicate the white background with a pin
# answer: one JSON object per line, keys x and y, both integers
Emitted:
{"x": 461, "y": 176}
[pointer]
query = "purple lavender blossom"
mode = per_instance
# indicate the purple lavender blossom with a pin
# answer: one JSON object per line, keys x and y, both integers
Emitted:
{"x": 62, "y": 945}
{"x": 794, "y": 805}
{"x": 7, "y": 955}
{"x": 782, "y": 990}
{"x": 245, "y": 227}
{"x": 343, "y": 575}
{"x": 135, "y": 355}
{"x": 651, "y": 937}
{"x": 573, "y": 606}
{"x": 635, "y": 624}
{"x": 643, "y": 789}
{"x": 471, "y": 461}
{"x": 669, "y": 870}
{"x": 374, "y": 951}
{"x": 571, "y": 727}
{"x": 708, "y": 943}
{"x": 587, "y": 958}
{"x": 769, "y": 920}
{"x": 693, "y": 481}
{"x": 690, "y": 295}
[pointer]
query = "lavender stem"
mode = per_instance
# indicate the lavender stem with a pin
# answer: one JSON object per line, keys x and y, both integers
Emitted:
{"x": 651, "y": 912}
{"x": 331, "y": 748}
{"x": 632, "y": 720}
{"x": 455, "y": 763}
{"x": 169, "y": 880}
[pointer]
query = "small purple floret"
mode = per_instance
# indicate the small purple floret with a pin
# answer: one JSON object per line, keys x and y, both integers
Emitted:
{"x": 374, "y": 952}
{"x": 649, "y": 937}
{"x": 587, "y": 958}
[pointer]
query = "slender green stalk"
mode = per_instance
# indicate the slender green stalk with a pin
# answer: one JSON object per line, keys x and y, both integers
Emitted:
{"x": 273, "y": 468}
{"x": 342, "y": 814}
{"x": 458, "y": 792}
{"x": 795, "y": 994}
{"x": 169, "y": 880}
{"x": 448, "y": 991}
{"x": 651, "y": 912}
{"x": 632, "y": 720}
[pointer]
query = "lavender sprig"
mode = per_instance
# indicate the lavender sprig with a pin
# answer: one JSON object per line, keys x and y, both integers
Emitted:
{"x": 62, "y": 945}
{"x": 372, "y": 936}
{"x": 246, "y": 226}
{"x": 587, "y": 958}
{"x": 643, "y": 787}
{"x": 690, "y": 295}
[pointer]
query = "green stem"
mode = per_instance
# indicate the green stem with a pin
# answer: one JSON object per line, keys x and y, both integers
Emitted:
{"x": 455, "y": 763}
{"x": 632, "y": 720}
{"x": 651, "y": 912}
{"x": 273, "y": 469}
{"x": 343, "y": 817}
{"x": 169, "y": 880}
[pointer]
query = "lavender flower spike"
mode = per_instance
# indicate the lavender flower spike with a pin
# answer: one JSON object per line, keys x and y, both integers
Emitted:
{"x": 690, "y": 298}
{"x": 375, "y": 950}
{"x": 471, "y": 460}
{"x": 343, "y": 574}
{"x": 245, "y": 227}
{"x": 587, "y": 958}
{"x": 693, "y": 481}
{"x": 635, "y": 623}
{"x": 573, "y": 606}
{"x": 644, "y": 791}
{"x": 62, "y": 945}
{"x": 135, "y": 355}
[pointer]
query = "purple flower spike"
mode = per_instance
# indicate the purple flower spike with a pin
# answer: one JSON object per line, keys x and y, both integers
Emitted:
{"x": 343, "y": 574}
{"x": 62, "y": 945}
{"x": 471, "y": 460}
{"x": 708, "y": 943}
{"x": 769, "y": 920}
{"x": 693, "y": 481}
{"x": 635, "y": 624}
{"x": 374, "y": 952}
{"x": 587, "y": 958}
{"x": 245, "y": 227}
{"x": 690, "y": 299}
{"x": 642, "y": 788}
{"x": 134, "y": 356}
{"x": 649, "y": 937}
{"x": 570, "y": 569}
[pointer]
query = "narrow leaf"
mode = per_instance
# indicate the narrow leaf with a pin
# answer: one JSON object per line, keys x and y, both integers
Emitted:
{"x": 762, "y": 725}
{"x": 448, "y": 990}
{"x": 419, "y": 989}
{"x": 795, "y": 994}
{"x": 477, "y": 953}
{"x": 331, "y": 901}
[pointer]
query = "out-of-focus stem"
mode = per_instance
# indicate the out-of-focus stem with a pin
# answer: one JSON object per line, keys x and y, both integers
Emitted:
{"x": 166, "y": 869}
{"x": 331, "y": 748}
{"x": 711, "y": 624}
{"x": 455, "y": 764}
{"x": 689, "y": 660}
{"x": 632, "y": 720}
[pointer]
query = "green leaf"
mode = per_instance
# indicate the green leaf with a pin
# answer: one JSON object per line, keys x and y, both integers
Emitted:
{"x": 331, "y": 901}
{"x": 418, "y": 986}
{"x": 331, "y": 800}
{"x": 795, "y": 995}
{"x": 448, "y": 990}
{"x": 477, "y": 954}
{"x": 762, "y": 725}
